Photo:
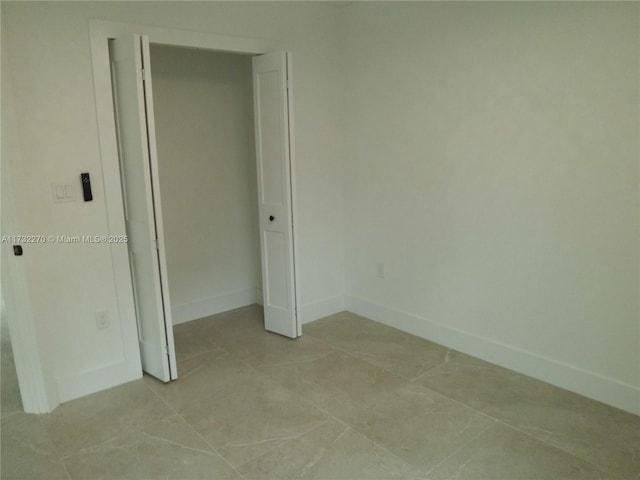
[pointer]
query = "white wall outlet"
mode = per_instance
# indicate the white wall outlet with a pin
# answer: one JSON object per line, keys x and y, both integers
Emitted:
{"x": 380, "y": 270}
{"x": 102, "y": 320}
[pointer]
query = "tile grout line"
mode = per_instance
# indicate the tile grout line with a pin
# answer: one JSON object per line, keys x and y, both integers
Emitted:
{"x": 328, "y": 414}
{"x": 366, "y": 360}
{"x": 407, "y": 382}
{"x": 443, "y": 362}
{"x": 513, "y": 427}
{"x": 555, "y": 447}
{"x": 177, "y": 444}
{"x": 386, "y": 449}
{"x": 55, "y": 450}
{"x": 362, "y": 434}
{"x": 466, "y": 406}
{"x": 200, "y": 367}
{"x": 87, "y": 450}
{"x": 347, "y": 352}
{"x": 516, "y": 428}
{"x": 285, "y": 364}
{"x": 215, "y": 450}
{"x": 286, "y": 440}
{"x": 461, "y": 446}
{"x": 224, "y": 458}
{"x": 318, "y": 458}
{"x": 102, "y": 442}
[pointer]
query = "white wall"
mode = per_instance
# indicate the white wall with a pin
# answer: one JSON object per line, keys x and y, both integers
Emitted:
{"x": 47, "y": 53}
{"x": 206, "y": 157}
{"x": 492, "y": 156}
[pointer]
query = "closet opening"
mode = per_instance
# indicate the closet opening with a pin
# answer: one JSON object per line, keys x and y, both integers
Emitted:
{"x": 204, "y": 147}
{"x": 204, "y": 122}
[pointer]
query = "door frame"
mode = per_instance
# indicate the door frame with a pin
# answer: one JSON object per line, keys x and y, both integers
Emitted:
{"x": 100, "y": 34}
{"x": 36, "y": 378}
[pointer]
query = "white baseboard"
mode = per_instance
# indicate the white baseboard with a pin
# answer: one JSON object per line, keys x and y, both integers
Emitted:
{"x": 323, "y": 308}
{"x": 583, "y": 382}
{"x": 218, "y": 304}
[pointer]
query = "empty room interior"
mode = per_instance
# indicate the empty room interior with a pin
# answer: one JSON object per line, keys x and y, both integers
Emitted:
{"x": 324, "y": 240}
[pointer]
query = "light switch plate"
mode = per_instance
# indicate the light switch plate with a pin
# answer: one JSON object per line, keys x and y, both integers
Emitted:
{"x": 62, "y": 192}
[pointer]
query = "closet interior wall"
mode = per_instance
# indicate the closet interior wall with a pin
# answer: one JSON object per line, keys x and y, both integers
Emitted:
{"x": 203, "y": 105}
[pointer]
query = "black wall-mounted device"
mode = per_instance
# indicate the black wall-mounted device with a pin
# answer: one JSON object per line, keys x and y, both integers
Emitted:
{"x": 86, "y": 187}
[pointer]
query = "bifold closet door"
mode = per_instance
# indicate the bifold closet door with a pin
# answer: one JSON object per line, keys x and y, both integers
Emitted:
{"x": 133, "y": 96}
{"x": 273, "y": 156}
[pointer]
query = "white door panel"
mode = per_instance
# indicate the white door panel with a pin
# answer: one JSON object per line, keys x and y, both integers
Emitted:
{"x": 271, "y": 111}
{"x": 138, "y": 162}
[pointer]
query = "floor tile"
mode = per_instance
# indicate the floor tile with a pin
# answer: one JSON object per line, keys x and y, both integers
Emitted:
{"x": 417, "y": 424}
{"x": 597, "y": 433}
{"x": 82, "y": 423}
{"x": 189, "y": 341}
{"x": 204, "y": 376}
{"x": 175, "y": 430}
{"x": 329, "y": 451}
{"x": 169, "y": 449}
{"x": 260, "y": 418}
{"x": 241, "y": 413}
{"x": 502, "y": 453}
{"x": 244, "y": 336}
{"x": 401, "y": 353}
{"x": 339, "y": 383}
{"x": 251, "y": 316}
{"x": 190, "y": 364}
{"x": 27, "y": 451}
{"x": 342, "y": 402}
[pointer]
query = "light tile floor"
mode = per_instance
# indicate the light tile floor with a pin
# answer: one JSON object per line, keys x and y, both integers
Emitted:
{"x": 351, "y": 399}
